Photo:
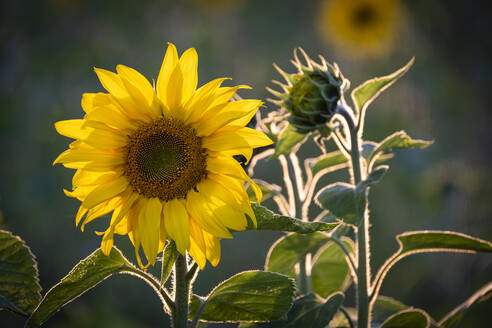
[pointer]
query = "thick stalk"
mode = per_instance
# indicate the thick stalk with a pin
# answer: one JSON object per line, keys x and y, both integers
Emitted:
{"x": 181, "y": 293}
{"x": 363, "y": 268}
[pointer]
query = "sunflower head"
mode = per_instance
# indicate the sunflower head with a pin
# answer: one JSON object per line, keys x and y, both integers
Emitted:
{"x": 161, "y": 160}
{"x": 312, "y": 94}
{"x": 360, "y": 27}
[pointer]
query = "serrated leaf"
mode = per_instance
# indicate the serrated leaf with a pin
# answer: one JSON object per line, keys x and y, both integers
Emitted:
{"x": 334, "y": 160}
{"x": 168, "y": 259}
{"x": 453, "y": 318}
{"x": 19, "y": 282}
{"x": 291, "y": 249}
{"x": 431, "y": 241}
{"x": 308, "y": 311}
{"x": 250, "y": 296}
{"x": 288, "y": 140}
{"x": 364, "y": 94}
{"x": 330, "y": 271}
{"x": 384, "y": 307}
{"x": 84, "y": 276}
{"x": 267, "y": 189}
{"x": 339, "y": 199}
{"x": 410, "y": 318}
{"x": 398, "y": 140}
{"x": 268, "y": 220}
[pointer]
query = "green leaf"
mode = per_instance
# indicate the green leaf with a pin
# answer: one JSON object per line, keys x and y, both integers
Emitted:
{"x": 330, "y": 272}
{"x": 291, "y": 249}
{"x": 287, "y": 141}
{"x": 321, "y": 315}
{"x": 453, "y": 318}
{"x": 364, "y": 95}
{"x": 431, "y": 241}
{"x": 410, "y": 318}
{"x": 376, "y": 175}
{"x": 334, "y": 160}
{"x": 19, "y": 283}
{"x": 267, "y": 220}
{"x": 384, "y": 307}
{"x": 308, "y": 311}
{"x": 267, "y": 189}
{"x": 397, "y": 140}
{"x": 168, "y": 259}
{"x": 339, "y": 199}
{"x": 249, "y": 296}
{"x": 84, "y": 276}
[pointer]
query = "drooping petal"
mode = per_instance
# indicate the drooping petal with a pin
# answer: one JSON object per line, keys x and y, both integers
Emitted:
{"x": 106, "y": 191}
{"x": 213, "y": 248}
{"x": 149, "y": 221}
{"x": 230, "y": 167}
{"x": 198, "y": 248}
{"x": 177, "y": 224}
{"x": 196, "y": 204}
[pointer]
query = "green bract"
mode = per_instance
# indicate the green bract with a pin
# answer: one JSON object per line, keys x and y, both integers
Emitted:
{"x": 311, "y": 95}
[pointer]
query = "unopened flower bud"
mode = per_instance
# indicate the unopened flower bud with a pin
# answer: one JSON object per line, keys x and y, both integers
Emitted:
{"x": 310, "y": 95}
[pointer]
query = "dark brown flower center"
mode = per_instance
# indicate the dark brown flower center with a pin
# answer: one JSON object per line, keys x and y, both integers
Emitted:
{"x": 165, "y": 160}
{"x": 365, "y": 15}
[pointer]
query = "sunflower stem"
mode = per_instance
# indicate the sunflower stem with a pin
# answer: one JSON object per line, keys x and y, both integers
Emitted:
{"x": 363, "y": 267}
{"x": 181, "y": 293}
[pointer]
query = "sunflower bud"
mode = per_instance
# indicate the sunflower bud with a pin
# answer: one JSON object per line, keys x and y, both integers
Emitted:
{"x": 310, "y": 95}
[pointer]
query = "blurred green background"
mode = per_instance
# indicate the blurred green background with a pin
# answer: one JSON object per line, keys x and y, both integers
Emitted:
{"x": 48, "y": 50}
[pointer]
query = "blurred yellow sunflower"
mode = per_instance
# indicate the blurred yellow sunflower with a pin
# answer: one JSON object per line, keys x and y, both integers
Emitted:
{"x": 162, "y": 160}
{"x": 360, "y": 27}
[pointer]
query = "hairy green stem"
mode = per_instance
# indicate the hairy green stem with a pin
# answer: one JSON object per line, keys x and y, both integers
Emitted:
{"x": 181, "y": 293}
{"x": 363, "y": 267}
{"x": 151, "y": 280}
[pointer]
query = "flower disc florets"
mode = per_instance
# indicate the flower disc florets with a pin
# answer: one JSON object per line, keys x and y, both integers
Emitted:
{"x": 311, "y": 95}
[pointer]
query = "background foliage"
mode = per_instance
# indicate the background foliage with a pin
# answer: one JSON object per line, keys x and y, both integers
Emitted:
{"x": 48, "y": 49}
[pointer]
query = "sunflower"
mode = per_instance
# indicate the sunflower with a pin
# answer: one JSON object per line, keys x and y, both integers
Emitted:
{"x": 161, "y": 160}
{"x": 360, "y": 27}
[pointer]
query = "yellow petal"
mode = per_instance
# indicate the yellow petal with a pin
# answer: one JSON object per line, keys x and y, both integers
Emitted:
{"x": 213, "y": 248}
{"x": 171, "y": 60}
{"x": 225, "y": 139}
{"x": 189, "y": 63}
{"x": 149, "y": 222}
{"x": 127, "y": 212}
{"x": 197, "y": 254}
{"x": 213, "y": 120}
{"x": 230, "y": 167}
{"x": 177, "y": 225}
{"x": 88, "y": 154}
{"x": 113, "y": 84}
{"x": 106, "y": 191}
{"x": 198, "y": 248}
{"x": 196, "y": 204}
{"x": 100, "y": 210}
{"x": 105, "y": 139}
{"x": 236, "y": 189}
{"x": 201, "y": 100}
{"x": 112, "y": 117}
{"x": 229, "y": 216}
{"x": 73, "y": 129}
{"x": 175, "y": 93}
{"x": 80, "y": 214}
